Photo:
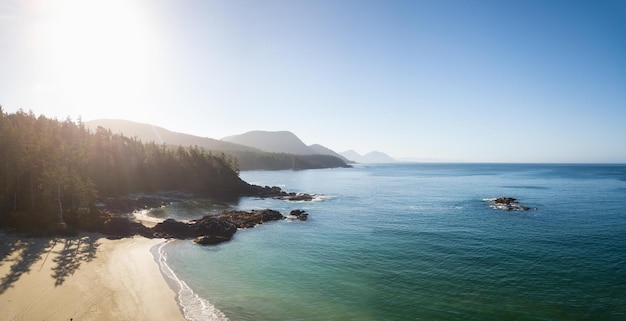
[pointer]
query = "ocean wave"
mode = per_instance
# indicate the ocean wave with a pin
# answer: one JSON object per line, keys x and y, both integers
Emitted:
{"x": 144, "y": 216}
{"x": 193, "y": 306}
{"x": 320, "y": 197}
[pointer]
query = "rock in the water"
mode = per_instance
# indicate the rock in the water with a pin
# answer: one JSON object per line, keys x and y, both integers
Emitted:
{"x": 210, "y": 225}
{"x": 207, "y": 225}
{"x": 278, "y": 193}
{"x": 300, "y": 215}
{"x": 271, "y": 215}
{"x": 243, "y": 219}
{"x": 173, "y": 228}
{"x": 507, "y": 204}
{"x": 210, "y": 229}
{"x": 210, "y": 239}
{"x": 298, "y": 197}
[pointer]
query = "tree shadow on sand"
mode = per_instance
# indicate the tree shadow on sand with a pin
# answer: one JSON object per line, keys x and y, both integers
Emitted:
{"x": 75, "y": 251}
{"x": 30, "y": 251}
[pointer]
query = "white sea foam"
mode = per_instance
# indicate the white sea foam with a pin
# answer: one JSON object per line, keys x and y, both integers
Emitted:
{"x": 193, "y": 306}
{"x": 320, "y": 197}
{"x": 142, "y": 216}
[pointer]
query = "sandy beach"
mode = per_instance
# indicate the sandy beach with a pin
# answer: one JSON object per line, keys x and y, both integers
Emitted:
{"x": 87, "y": 277}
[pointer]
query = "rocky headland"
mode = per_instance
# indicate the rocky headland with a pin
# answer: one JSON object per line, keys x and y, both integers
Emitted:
{"x": 210, "y": 229}
{"x": 113, "y": 217}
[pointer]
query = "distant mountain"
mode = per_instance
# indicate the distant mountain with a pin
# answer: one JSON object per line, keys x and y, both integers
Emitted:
{"x": 352, "y": 156}
{"x": 321, "y": 150}
{"x": 149, "y": 133}
{"x": 248, "y": 158}
{"x": 378, "y": 157}
{"x": 371, "y": 157}
{"x": 269, "y": 141}
{"x": 280, "y": 142}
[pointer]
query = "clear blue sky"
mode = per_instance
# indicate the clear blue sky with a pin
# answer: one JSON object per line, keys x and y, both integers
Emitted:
{"x": 503, "y": 81}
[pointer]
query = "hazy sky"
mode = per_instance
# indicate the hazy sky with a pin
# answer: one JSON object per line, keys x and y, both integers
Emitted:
{"x": 506, "y": 81}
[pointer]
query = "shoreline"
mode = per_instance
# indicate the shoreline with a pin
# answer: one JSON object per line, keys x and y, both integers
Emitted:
{"x": 191, "y": 305}
{"x": 88, "y": 277}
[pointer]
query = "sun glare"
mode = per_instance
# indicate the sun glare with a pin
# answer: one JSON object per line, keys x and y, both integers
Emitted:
{"x": 99, "y": 50}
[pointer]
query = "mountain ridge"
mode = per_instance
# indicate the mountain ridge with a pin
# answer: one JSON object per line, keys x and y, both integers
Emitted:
{"x": 280, "y": 142}
{"x": 248, "y": 158}
{"x": 151, "y": 133}
{"x": 271, "y": 141}
{"x": 371, "y": 157}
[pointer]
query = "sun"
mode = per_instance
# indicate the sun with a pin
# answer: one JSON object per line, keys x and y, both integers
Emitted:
{"x": 99, "y": 51}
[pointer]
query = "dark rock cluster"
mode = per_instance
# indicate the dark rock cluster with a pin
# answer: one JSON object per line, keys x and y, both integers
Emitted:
{"x": 507, "y": 204}
{"x": 299, "y": 215}
{"x": 210, "y": 229}
{"x": 110, "y": 217}
{"x": 209, "y": 226}
{"x": 244, "y": 219}
{"x": 277, "y": 192}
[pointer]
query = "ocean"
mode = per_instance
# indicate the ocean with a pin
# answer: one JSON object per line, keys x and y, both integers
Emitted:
{"x": 416, "y": 242}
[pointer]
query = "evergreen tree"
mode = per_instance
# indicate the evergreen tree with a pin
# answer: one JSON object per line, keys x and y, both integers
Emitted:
{"x": 54, "y": 172}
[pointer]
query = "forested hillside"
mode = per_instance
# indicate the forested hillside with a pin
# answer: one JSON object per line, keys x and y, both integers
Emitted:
{"x": 282, "y": 161}
{"x": 55, "y": 171}
{"x": 281, "y": 148}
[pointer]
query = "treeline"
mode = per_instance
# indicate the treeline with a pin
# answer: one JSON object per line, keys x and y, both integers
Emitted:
{"x": 55, "y": 171}
{"x": 257, "y": 160}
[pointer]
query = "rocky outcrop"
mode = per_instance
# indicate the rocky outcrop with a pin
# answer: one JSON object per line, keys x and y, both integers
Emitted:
{"x": 299, "y": 215}
{"x": 210, "y": 239}
{"x": 210, "y": 229}
{"x": 213, "y": 229}
{"x": 243, "y": 219}
{"x": 278, "y": 193}
{"x": 507, "y": 204}
{"x": 206, "y": 226}
{"x": 121, "y": 226}
{"x": 302, "y": 197}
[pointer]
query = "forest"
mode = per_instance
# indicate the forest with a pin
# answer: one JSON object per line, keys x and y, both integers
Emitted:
{"x": 54, "y": 172}
{"x": 259, "y": 160}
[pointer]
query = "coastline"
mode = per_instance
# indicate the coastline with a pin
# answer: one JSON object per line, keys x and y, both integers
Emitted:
{"x": 192, "y": 306}
{"x": 87, "y": 277}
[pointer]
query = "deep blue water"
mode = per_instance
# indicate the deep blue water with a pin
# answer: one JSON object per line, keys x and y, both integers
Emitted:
{"x": 417, "y": 242}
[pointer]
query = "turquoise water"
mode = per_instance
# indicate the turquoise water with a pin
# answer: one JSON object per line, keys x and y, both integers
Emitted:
{"x": 417, "y": 242}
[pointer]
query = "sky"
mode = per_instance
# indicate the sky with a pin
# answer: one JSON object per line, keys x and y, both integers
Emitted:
{"x": 474, "y": 81}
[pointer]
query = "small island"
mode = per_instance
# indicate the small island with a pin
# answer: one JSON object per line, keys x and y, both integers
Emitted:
{"x": 507, "y": 204}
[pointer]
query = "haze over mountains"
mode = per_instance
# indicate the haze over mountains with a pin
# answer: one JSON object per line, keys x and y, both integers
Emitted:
{"x": 159, "y": 135}
{"x": 371, "y": 157}
{"x": 275, "y": 142}
{"x": 280, "y": 142}
{"x": 250, "y": 142}
{"x": 288, "y": 142}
